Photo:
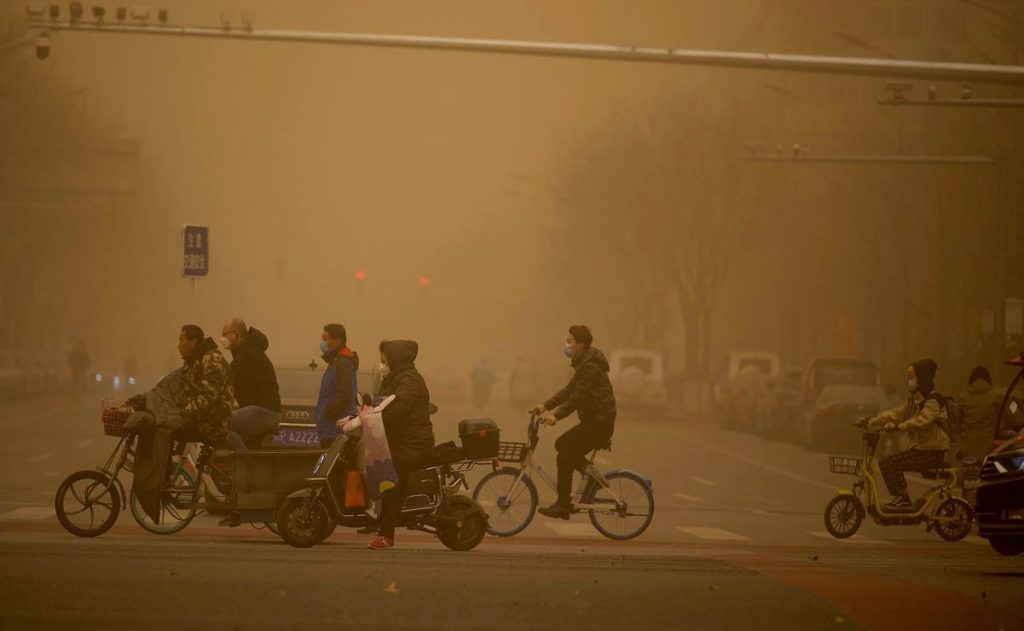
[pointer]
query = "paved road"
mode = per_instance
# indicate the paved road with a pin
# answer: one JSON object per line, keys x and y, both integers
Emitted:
{"x": 737, "y": 541}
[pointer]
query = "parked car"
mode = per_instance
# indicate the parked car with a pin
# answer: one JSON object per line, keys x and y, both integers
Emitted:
{"x": 837, "y": 392}
{"x": 739, "y": 385}
{"x": 638, "y": 377}
{"x": 299, "y": 385}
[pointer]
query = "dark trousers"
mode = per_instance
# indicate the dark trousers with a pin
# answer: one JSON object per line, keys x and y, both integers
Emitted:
{"x": 893, "y": 466}
{"x": 391, "y": 500}
{"x": 573, "y": 447}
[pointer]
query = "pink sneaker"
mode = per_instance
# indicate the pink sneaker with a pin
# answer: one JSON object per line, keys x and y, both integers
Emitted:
{"x": 381, "y": 542}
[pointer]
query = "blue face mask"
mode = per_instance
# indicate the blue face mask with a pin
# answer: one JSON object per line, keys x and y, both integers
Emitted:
{"x": 568, "y": 350}
{"x": 324, "y": 347}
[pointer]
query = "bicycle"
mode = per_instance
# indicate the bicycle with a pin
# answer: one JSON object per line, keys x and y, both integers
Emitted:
{"x": 620, "y": 503}
{"x": 940, "y": 508}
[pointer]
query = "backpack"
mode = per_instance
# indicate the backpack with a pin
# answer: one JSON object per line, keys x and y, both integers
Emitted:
{"x": 953, "y": 424}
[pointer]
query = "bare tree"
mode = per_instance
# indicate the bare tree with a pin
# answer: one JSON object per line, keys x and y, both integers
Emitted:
{"x": 661, "y": 192}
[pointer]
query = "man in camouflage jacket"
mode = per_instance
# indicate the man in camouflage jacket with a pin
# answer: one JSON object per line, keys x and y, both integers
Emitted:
{"x": 206, "y": 385}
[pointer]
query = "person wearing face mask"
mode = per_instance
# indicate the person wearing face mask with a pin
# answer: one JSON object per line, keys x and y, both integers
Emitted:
{"x": 921, "y": 416}
{"x": 589, "y": 394}
{"x": 255, "y": 381}
{"x": 339, "y": 389}
{"x": 408, "y": 428}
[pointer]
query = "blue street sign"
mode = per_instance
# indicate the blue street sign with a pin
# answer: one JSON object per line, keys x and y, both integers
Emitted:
{"x": 197, "y": 250}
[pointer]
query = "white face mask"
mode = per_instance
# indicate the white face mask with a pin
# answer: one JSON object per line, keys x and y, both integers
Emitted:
{"x": 384, "y": 370}
{"x": 224, "y": 343}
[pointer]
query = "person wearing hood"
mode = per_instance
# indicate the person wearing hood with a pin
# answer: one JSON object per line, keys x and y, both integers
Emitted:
{"x": 408, "y": 428}
{"x": 339, "y": 390}
{"x": 921, "y": 416}
{"x": 589, "y": 394}
{"x": 980, "y": 403}
{"x": 255, "y": 382}
{"x": 206, "y": 387}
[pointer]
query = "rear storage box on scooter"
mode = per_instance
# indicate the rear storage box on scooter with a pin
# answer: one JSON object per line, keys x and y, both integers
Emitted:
{"x": 479, "y": 437}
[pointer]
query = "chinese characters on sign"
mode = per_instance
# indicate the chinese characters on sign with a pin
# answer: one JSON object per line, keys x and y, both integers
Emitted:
{"x": 197, "y": 250}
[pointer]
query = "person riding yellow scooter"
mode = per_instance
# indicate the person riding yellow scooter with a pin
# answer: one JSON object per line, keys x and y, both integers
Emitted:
{"x": 921, "y": 416}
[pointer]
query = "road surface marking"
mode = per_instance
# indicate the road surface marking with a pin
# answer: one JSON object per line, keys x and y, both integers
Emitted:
{"x": 689, "y": 498}
{"x": 571, "y": 529}
{"x": 716, "y": 534}
{"x": 755, "y": 462}
{"x": 38, "y": 458}
{"x": 765, "y": 500}
{"x": 82, "y": 444}
{"x": 28, "y": 513}
{"x": 51, "y": 474}
{"x": 851, "y": 539}
{"x": 702, "y": 481}
{"x": 976, "y": 540}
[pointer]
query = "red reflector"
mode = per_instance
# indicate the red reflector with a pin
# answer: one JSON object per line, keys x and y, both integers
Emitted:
{"x": 483, "y": 433}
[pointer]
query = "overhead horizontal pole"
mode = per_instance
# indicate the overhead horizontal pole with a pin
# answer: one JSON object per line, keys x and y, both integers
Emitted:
{"x": 972, "y": 102}
{"x": 894, "y": 159}
{"x": 857, "y": 66}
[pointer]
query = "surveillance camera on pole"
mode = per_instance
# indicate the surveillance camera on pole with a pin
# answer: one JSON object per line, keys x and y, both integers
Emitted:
{"x": 98, "y": 13}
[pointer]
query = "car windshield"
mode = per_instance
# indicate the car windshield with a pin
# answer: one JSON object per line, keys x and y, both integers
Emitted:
{"x": 299, "y": 383}
{"x": 640, "y": 362}
{"x": 764, "y": 365}
{"x": 845, "y": 373}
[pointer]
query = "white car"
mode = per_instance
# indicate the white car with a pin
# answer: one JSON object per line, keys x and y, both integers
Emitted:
{"x": 638, "y": 378}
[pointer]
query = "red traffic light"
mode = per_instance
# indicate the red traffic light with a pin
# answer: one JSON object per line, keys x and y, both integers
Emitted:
{"x": 361, "y": 275}
{"x": 424, "y": 281}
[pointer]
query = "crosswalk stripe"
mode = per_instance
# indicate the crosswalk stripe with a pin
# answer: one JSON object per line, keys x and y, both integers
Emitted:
{"x": 716, "y": 534}
{"x": 37, "y": 458}
{"x": 572, "y": 529}
{"x": 702, "y": 481}
{"x": 976, "y": 540}
{"x": 689, "y": 498}
{"x": 28, "y": 513}
{"x": 852, "y": 539}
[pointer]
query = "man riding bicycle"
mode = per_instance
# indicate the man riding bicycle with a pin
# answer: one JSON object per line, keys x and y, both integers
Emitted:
{"x": 920, "y": 416}
{"x": 589, "y": 394}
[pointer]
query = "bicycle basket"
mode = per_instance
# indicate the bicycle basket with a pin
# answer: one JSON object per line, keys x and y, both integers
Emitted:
{"x": 511, "y": 452}
{"x": 841, "y": 464}
{"x": 114, "y": 416}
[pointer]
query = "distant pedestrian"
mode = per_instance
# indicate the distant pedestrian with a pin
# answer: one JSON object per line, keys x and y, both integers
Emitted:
{"x": 78, "y": 362}
{"x": 980, "y": 404}
{"x": 483, "y": 380}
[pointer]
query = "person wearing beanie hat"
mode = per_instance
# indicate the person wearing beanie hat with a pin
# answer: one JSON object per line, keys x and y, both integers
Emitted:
{"x": 980, "y": 403}
{"x": 920, "y": 416}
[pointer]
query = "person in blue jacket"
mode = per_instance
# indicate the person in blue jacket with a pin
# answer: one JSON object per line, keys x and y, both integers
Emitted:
{"x": 339, "y": 391}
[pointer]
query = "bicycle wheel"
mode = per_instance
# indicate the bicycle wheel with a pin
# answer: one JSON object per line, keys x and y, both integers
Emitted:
{"x": 176, "y": 504}
{"x": 955, "y": 519}
{"x": 509, "y": 510}
{"x": 843, "y": 516}
{"x": 631, "y": 514}
{"x": 87, "y": 503}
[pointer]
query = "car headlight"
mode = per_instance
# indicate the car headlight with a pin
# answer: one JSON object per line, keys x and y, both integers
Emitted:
{"x": 1008, "y": 464}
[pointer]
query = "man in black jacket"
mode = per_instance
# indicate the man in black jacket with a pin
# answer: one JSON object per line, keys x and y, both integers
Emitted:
{"x": 255, "y": 381}
{"x": 408, "y": 428}
{"x": 589, "y": 394}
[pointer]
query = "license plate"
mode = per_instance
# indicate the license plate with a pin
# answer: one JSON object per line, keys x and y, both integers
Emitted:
{"x": 298, "y": 436}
